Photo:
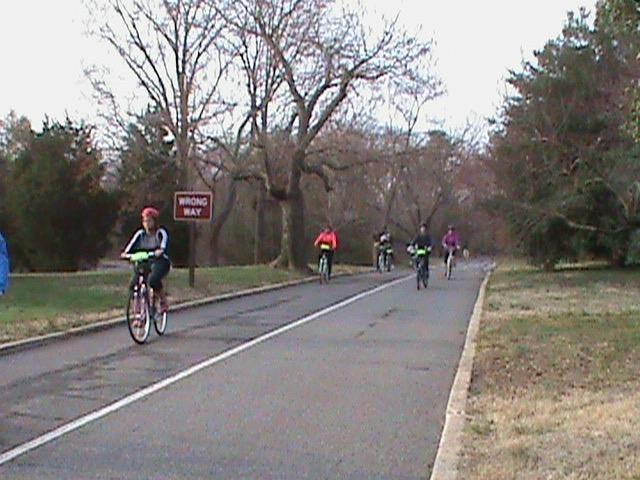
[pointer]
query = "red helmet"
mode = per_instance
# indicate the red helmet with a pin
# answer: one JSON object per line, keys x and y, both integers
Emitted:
{"x": 150, "y": 212}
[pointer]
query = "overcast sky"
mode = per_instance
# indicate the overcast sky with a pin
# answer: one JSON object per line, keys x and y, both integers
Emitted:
{"x": 43, "y": 50}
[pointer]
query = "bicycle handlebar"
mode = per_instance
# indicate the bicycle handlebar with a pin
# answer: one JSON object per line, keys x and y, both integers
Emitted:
{"x": 140, "y": 256}
{"x": 412, "y": 249}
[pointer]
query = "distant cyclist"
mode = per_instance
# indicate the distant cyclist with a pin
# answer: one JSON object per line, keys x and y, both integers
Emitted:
{"x": 327, "y": 242}
{"x": 385, "y": 247}
{"x": 450, "y": 243}
{"x": 152, "y": 238}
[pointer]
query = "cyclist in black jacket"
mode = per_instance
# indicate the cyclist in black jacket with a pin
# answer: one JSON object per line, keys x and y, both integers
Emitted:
{"x": 423, "y": 240}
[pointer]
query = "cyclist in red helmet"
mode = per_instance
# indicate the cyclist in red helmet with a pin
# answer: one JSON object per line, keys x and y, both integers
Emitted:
{"x": 152, "y": 237}
{"x": 327, "y": 240}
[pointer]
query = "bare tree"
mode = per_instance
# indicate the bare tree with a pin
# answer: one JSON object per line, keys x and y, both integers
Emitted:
{"x": 309, "y": 57}
{"x": 177, "y": 54}
{"x": 428, "y": 180}
{"x": 347, "y": 147}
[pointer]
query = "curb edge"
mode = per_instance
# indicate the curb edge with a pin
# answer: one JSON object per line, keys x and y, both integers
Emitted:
{"x": 33, "y": 342}
{"x": 445, "y": 466}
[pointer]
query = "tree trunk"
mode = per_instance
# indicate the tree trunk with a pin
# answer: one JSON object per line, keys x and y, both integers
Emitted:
{"x": 293, "y": 252}
{"x": 293, "y": 246}
{"x": 214, "y": 248}
{"x": 259, "y": 244}
{"x": 282, "y": 261}
{"x": 389, "y": 206}
{"x": 621, "y": 251}
{"x": 297, "y": 242}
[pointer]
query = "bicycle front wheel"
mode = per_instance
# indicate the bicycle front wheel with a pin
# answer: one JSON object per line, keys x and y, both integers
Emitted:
{"x": 322, "y": 268}
{"x": 138, "y": 320}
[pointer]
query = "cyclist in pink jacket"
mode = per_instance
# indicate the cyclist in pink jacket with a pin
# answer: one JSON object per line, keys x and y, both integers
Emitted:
{"x": 450, "y": 243}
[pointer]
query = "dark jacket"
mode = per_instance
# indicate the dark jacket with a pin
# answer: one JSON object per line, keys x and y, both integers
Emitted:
{"x": 422, "y": 241}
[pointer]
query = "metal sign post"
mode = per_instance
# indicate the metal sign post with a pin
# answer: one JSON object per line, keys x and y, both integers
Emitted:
{"x": 192, "y": 207}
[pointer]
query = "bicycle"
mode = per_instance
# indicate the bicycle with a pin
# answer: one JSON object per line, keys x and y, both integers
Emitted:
{"x": 142, "y": 304}
{"x": 389, "y": 258}
{"x": 422, "y": 266}
{"x": 384, "y": 258}
{"x": 323, "y": 265}
{"x": 380, "y": 265}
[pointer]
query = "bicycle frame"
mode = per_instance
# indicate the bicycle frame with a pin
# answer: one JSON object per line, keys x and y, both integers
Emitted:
{"x": 422, "y": 267}
{"x": 385, "y": 252}
{"x": 143, "y": 302}
{"x": 323, "y": 266}
{"x": 450, "y": 262}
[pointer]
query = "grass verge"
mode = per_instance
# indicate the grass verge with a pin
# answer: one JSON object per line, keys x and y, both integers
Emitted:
{"x": 555, "y": 390}
{"x": 36, "y": 305}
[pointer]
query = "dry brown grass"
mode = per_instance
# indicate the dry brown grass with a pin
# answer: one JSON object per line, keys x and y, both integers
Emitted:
{"x": 555, "y": 391}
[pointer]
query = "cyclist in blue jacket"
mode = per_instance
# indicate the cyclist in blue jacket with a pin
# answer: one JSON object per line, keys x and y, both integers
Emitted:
{"x": 4, "y": 266}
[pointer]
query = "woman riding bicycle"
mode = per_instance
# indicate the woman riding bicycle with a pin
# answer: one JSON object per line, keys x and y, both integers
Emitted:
{"x": 450, "y": 243}
{"x": 327, "y": 242}
{"x": 152, "y": 238}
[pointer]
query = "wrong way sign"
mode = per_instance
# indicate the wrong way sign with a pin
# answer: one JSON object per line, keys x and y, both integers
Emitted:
{"x": 193, "y": 206}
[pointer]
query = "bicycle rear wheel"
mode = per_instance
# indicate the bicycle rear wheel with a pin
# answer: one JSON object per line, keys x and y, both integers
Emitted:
{"x": 138, "y": 320}
{"x": 325, "y": 270}
{"x": 322, "y": 269}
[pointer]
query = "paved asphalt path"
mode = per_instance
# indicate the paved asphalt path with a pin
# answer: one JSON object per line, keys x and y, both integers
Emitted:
{"x": 359, "y": 392}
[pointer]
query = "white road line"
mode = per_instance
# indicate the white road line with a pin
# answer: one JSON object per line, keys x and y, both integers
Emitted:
{"x": 145, "y": 392}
